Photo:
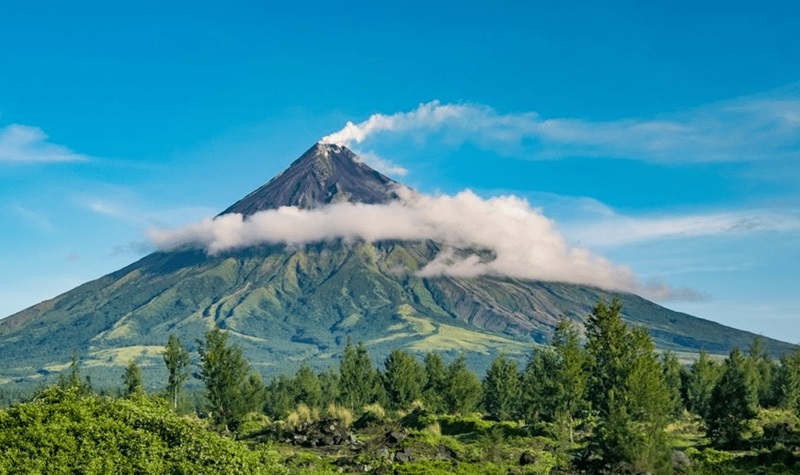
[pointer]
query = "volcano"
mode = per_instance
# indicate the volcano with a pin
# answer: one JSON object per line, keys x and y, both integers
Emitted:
{"x": 287, "y": 304}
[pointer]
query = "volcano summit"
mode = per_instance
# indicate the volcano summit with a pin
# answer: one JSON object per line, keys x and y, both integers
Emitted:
{"x": 299, "y": 293}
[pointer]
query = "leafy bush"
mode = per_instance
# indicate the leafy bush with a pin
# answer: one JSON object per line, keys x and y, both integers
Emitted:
{"x": 454, "y": 425}
{"x": 63, "y": 432}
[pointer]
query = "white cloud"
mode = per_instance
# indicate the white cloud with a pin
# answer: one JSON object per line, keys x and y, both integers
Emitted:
{"x": 745, "y": 129}
{"x": 382, "y": 165}
{"x": 25, "y": 144}
{"x": 38, "y": 219}
{"x": 619, "y": 230}
{"x": 523, "y": 243}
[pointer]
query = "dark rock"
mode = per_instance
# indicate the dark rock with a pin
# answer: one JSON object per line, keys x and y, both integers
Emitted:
{"x": 444, "y": 452}
{"x": 528, "y": 458}
{"x": 680, "y": 461}
{"x": 403, "y": 456}
{"x": 395, "y": 437}
{"x": 323, "y": 433}
{"x": 383, "y": 453}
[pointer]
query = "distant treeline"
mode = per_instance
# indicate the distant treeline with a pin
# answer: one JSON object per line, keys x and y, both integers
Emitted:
{"x": 614, "y": 394}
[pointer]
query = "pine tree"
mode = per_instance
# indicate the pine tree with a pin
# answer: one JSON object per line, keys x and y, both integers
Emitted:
{"x": 462, "y": 391}
{"x": 502, "y": 389}
{"x": 307, "y": 388}
{"x": 703, "y": 376}
{"x": 539, "y": 386}
{"x": 403, "y": 379}
{"x": 628, "y": 391}
{"x": 72, "y": 379}
{"x": 359, "y": 382}
{"x": 733, "y": 401}
{"x": 176, "y": 358}
{"x": 132, "y": 379}
{"x": 788, "y": 384}
{"x": 329, "y": 386}
{"x": 569, "y": 378}
{"x": 763, "y": 371}
{"x": 436, "y": 383}
{"x": 671, "y": 368}
{"x": 225, "y": 373}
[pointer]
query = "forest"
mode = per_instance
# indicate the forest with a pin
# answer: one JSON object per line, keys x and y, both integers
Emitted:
{"x": 608, "y": 403}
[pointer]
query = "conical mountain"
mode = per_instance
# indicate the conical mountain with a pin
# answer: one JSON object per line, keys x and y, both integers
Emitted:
{"x": 325, "y": 174}
{"x": 285, "y": 305}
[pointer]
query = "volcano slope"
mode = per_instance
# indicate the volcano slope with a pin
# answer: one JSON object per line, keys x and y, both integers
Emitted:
{"x": 288, "y": 304}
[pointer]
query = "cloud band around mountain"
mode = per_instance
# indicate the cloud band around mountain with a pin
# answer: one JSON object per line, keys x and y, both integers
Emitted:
{"x": 525, "y": 244}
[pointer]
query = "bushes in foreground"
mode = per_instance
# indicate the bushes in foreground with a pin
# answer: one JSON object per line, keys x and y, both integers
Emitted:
{"x": 63, "y": 431}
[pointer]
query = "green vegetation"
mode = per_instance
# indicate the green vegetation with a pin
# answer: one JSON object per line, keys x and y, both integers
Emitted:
{"x": 612, "y": 405}
{"x": 286, "y": 306}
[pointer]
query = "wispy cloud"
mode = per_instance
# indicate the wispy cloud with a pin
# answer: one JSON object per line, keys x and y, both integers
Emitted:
{"x": 523, "y": 243}
{"x": 26, "y": 144}
{"x": 620, "y": 230}
{"x": 745, "y": 129}
{"x": 36, "y": 218}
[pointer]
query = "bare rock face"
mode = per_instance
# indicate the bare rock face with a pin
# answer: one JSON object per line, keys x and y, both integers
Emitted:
{"x": 325, "y": 174}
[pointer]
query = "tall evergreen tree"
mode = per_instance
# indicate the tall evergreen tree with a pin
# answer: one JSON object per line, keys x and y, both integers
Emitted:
{"x": 72, "y": 379}
{"x": 462, "y": 392}
{"x": 570, "y": 377}
{"x": 763, "y": 370}
{"x": 671, "y": 368}
{"x": 703, "y": 376}
{"x": 132, "y": 379}
{"x": 788, "y": 384}
{"x": 329, "y": 385}
{"x": 225, "y": 373}
{"x": 403, "y": 379}
{"x": 436, "y": 382}
{"x": 628, "y": 391}
{"x": 176, "y": 358}
{"x": 359, "y": 381}
{"x": 733, "y": 401}
{"x": 502, "y": 389}
{"x": 539, "y": 386}
{"x": 307, "y": 388}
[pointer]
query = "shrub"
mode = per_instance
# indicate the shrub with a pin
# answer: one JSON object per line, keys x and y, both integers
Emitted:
{"x": 301, "y": 417}
{"x": 340, "y": 413}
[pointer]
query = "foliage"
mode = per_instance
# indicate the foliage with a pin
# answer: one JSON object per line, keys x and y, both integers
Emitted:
{"x": 788, "y": 382}
{"x": 132, "y": 379}
{"x": 703, "y": 376}
{"x": 733, "y": 401}
{"x": 629, "y": 392}
{"x": 359, "y": 382}
{"x": 435, "y": 382}
{"x": 403, "y": 379}
{"x": 462, "y": 391}
{"x": 306, "y": 387}
{"x": 302, "y": 416}
{"x": 763, "y": 371}
{"x": 501, "y": 389}
{"x": 64, "y": 432}
{"x": 671, "y": 368}
{"x": 231, "y": 390}
{"x": 339, "y": 413}
{"x": 176, "y": 358}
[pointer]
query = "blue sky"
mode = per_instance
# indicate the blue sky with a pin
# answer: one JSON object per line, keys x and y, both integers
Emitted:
{"x": 663, "y": 137}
